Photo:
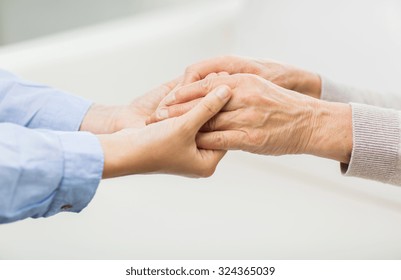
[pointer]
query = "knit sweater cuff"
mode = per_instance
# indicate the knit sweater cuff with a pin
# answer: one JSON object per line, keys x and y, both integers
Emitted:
{"x": 376, "y": 141}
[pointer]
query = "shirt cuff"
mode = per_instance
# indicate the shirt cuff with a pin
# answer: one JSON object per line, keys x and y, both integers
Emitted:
{"x": 38, "y": 106}
{"x": 83, "y": 168}
{"x": 61, "y": 111}
{"x": 376, "y": 141}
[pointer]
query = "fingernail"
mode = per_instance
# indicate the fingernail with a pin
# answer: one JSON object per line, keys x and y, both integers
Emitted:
{"x": 169, "y": 98}
{"x": 222, "y": 92}
{"x": 162, "y": 114}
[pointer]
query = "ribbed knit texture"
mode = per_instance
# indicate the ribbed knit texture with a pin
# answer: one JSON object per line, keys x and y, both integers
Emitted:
{"x": 376, "y": 131}
{"x": 376, "y": 139}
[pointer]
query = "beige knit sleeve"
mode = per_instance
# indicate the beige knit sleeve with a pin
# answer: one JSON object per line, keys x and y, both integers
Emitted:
{"x": 376, "y": 152}
{"x": 336, "y": 92}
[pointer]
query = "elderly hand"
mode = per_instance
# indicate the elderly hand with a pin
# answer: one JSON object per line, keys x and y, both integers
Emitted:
{"x": 284, "y": 75}
{"x": 264, "y": 118}
{"x": 165, "y": 147}
{"x": 101, "y": 119}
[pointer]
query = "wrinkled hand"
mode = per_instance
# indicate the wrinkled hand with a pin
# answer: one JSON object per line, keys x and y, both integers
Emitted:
{"x": 165, "y": 147}
{"x": 102, "y": 119}
{"x": 264, "y": 118}
{"x": 281, "y": 74}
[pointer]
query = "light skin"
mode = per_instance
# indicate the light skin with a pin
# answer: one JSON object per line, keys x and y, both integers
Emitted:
{"x": 169, "y": 147}
{"x": 266, "y": 114}
{"x": 281, "y": 74}
{"x": 106, "y": 119}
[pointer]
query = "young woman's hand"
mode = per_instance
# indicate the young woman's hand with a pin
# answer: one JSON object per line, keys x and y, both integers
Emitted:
{"x": 103, "y": 119}
{"x": 168, "y": 146}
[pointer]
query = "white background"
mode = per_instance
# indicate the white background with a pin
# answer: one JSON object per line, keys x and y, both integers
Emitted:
{"x": 293, "y": 207}
{"x": 284, "y": 270}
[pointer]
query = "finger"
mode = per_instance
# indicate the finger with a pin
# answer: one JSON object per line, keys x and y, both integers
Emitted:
{"x": 163, "y": 90}
{"x": 222, "y": 121}
{"x": 170, "y": 87}
{"x": 152, "y": 119}
{"x": 180, "y": 109}
{"x": 211, "y": 75}
{"x": 207, "y": 108}
{"x": 170, "y": 98}
{"x": 221, "y": 140}
{"x": 197, "y": 89}
{"x": 172, "y": 111}
{"x": 200, "y": 70}
{"x": 223, "y": 73}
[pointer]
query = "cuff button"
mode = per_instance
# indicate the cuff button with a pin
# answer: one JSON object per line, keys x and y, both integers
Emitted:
{"x": 66, "y": 207}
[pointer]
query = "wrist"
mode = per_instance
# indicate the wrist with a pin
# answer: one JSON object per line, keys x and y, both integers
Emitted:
{"x": 111, "y": 154}
{"x": 125, "y": 154}
{"x": 100, "y": 119}
{"x": 331, "y": 132}
{"x": 307, "y": 83}
{"x": 121, "y": 157}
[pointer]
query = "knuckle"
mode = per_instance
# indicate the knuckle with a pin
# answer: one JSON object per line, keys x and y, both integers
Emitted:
{"x": 207, "y": 84}
{"x": 211, "y": 75}
{"x": 209, "y": 108}
{"x": 221, "y": 141}
{"x": 191, "y": 71}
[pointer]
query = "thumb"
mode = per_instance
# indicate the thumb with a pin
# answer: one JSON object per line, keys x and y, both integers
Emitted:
{"x": 210, "y": 105}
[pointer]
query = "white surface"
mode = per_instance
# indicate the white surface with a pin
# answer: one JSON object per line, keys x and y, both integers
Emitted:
{"x": 253, "y": 207}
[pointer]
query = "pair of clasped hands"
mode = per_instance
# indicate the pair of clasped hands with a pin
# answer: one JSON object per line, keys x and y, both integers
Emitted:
{"x": 185, "y": 126}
